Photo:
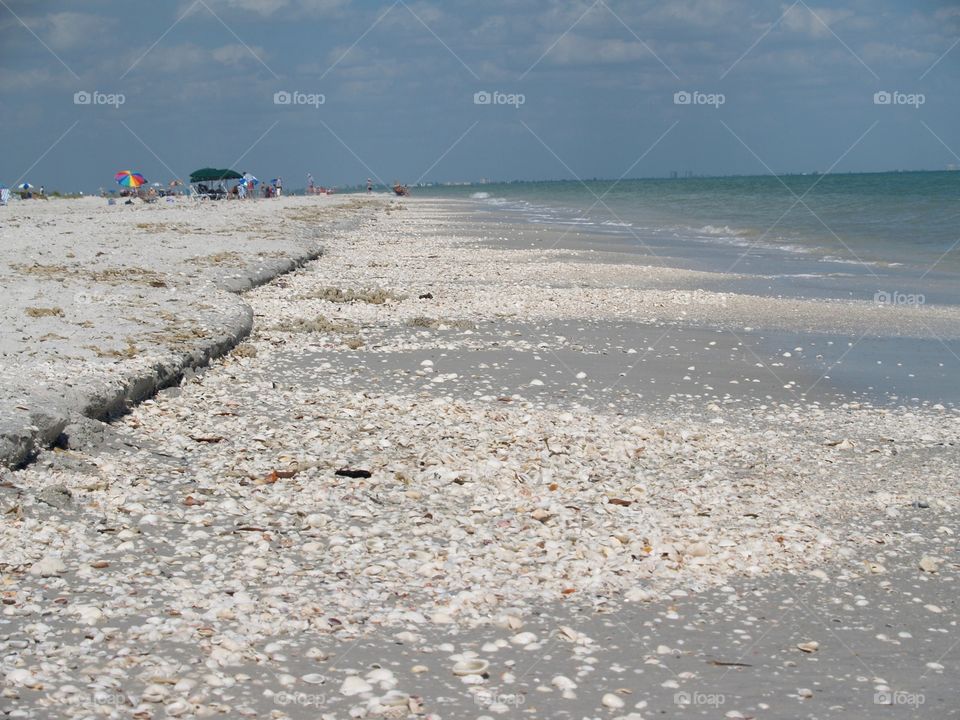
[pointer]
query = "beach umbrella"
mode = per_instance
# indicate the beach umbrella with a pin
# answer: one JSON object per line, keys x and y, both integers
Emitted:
{"x": 128, "y": 179}
{"x": 248, "y": 177}
{"x": 25, "y": 186}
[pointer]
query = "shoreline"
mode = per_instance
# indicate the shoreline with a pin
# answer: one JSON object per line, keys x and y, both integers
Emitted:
{"x": 35, "y": 418}
{"x": 415, "y": 467}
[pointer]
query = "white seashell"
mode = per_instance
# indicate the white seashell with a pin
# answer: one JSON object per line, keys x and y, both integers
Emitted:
{"x": 154, "y": 694}
{"x": 19, "y": 676}
{"x": 524, "y": 638}
{"x": 395, "y": 698}
{"x": 355, "y": 685}
{"x": 612, "y": 701}
{"x": 470, "y": 667}
{"x": 638, "y": 595}
{"x": 383, "y": 677}
{"x": 177, "y": 708}
{"x": 49, "y": 566}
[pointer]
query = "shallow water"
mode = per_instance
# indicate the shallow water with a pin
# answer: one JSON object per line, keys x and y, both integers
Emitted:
{"x": 893, "y": 232}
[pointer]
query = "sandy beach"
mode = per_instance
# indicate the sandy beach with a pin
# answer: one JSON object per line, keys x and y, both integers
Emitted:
{"x": 371, "y": 457}
{"x": 103, "y": 305}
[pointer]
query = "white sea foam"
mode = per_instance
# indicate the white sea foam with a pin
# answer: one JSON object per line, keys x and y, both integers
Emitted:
{"x": 722, "y": 230}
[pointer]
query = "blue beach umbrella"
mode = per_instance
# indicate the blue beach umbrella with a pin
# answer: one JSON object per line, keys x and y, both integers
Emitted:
{"x": 25, "y": 186}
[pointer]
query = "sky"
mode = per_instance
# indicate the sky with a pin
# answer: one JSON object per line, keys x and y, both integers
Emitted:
{"x": 430, "y": 91}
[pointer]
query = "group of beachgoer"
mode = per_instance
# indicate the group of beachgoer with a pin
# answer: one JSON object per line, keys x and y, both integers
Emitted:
{"x": 25, "y": 193}
{"x": 398, "y": 187}
{"x": 247, "y": 188}
{"x": 314, "y": 189}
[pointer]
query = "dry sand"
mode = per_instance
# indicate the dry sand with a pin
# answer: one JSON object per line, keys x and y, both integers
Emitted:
{"x": 103, "y": 305}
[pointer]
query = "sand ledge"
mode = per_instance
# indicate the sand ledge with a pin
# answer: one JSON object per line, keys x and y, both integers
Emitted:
{"x": 51, "y": 390}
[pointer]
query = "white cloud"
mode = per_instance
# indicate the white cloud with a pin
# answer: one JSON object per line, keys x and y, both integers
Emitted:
{"x": 897, "y": 54}
{"x": 28, "y": 79}
{"x": 67, "y": 30}
{"x": 171, "y": 59}
{"x": 267, "y": 8}
{"x": 947, "y": 13}
{"x": 815, "y": 22}
{"x": 236, "y": 53}
{"x": 260, "y": 7}
{"x": 700, "y": 13}
{"x": 574, "y": 49}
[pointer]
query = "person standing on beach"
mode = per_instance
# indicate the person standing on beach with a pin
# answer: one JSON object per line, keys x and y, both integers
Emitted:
{"x": 369, "y": 185}
{"x": 279, "y": 186}
{"x": 309, "y": 184}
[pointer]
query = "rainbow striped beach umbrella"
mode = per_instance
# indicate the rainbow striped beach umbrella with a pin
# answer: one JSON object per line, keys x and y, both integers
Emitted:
{"x": 128, "y": 179}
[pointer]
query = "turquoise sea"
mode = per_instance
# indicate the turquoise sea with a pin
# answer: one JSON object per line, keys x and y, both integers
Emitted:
{"x": 897, "y": 231}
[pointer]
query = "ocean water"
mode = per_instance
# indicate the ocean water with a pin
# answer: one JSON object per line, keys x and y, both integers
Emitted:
{"x": 895, "y": 232}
